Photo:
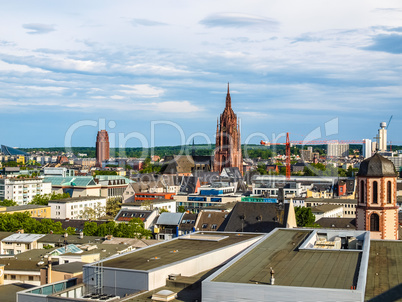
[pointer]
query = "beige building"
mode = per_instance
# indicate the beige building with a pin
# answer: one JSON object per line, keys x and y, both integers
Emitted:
{"x": 377, "y": 210}
{"x": 19, "y": 243}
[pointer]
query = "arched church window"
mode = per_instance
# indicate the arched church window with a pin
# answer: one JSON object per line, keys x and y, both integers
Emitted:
{"x": 374, "y": 222}
{"x": 375, "y": 192}
{"x": 389, "y": 191}
{"x": 361, "y": 195}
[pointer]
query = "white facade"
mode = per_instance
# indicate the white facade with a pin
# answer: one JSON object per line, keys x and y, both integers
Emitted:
{"x": 333, "y": 213}
{"x": 382, "y": 137}
{"x": 74, "y": 208}
{"x": 367, "y": 148}
{"x": 21, "y": 190}
{"x": 337, "y": 150}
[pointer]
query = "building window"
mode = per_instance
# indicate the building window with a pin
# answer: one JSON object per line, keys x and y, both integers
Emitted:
{"x": 213, "y": 227}
{"x": 204, "y": 226}
{"x": 389, "y": 191}
{"x": 362, "y": 191}
{"x": 375, "y": 192}
{"x": 30, "y": 278}
{"x": 12, "y": 277}
{"x": 374, "y": 222}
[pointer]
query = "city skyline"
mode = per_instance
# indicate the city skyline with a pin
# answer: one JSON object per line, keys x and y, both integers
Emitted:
{"x": 292, "y": 67}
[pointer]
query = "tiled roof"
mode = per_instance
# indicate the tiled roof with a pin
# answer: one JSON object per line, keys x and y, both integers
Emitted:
{"x": 256, "y": 217}
{"x": 377, "y": 166}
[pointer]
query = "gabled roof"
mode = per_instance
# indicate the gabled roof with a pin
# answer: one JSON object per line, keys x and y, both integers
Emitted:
{"x": 23, "y": 238}
{"x": 128, "y": 214}
{"x": 188, "y": 222}
{"x": 206, "y": 219}
{"x": 180, "y": 164}
{"x": 257, "y": 217}
{"x": 325, "y": 208}
{"x": 189, "y": 184}
{"x": 170, "y": 218}
{"x": 231, "y": 172}
{"x": 337, "y": 223}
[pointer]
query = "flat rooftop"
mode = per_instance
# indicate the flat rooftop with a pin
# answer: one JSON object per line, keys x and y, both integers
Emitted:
{"x": 76, "y": 199}
{"x": 175, "y": 250}
{"x": 384, "y": 272}
{"x": 294, "y": 267}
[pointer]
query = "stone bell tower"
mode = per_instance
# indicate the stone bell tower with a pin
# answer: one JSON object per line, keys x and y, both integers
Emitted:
{"x": 228, "y": 144}
{"x": 376, "y": 210}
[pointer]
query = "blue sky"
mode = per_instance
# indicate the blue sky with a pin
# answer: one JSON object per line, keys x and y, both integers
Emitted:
{"x": 292, "y": 66}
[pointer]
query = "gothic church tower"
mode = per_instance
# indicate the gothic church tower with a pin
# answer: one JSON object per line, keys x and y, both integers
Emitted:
{"x": 228, "y": 144}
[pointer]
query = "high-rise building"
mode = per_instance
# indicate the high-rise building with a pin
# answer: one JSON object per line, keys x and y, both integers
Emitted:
{"x": 337, "y": 150}
{"x": 382, "y": 137}
{"x": 102, "y": 147}
{"x": 306, "y": 155}
{"x": 228, "y": 144}
{"x": 367, "y": 148}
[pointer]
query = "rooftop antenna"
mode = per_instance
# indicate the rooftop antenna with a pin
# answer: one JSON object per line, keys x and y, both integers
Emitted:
{"x": 272, "y": 276}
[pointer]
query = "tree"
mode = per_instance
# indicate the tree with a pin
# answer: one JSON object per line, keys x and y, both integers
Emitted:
{"x": 181, "y": 209}
{"x": 113, "y": 206}
{"x": 70, "y": 231}
{"x": 262, "y": 169}
{"x": 163, "y": 211}
{"x": 93, "y": 212}
{"x": 304, "y": 217}
{"x": 90, "y": 228}
{"x": 8, "y": 203}
{"x": 44, "y": 199}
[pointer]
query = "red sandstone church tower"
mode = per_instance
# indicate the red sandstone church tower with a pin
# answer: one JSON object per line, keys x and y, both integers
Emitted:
{"x": 228, "y": 144}
{"x": 102, "y": 147}
{"x": 377, "y": 210}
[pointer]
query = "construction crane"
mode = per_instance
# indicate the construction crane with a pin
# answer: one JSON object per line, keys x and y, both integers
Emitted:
{"x": 289, "y": 143}
{"x": 390, "y": 142}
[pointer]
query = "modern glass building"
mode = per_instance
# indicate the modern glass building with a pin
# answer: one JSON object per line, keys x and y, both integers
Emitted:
{"x": 11, "y": 151}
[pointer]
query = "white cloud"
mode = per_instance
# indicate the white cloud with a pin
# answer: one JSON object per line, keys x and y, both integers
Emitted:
{"x": 117, "y": 97}
{"x": 143, "y": 90}
{"x": 38, "y": 28}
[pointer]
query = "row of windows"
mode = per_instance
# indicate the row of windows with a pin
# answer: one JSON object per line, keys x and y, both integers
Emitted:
{"x": 375, "y": 192}
{"x": 13, "y": 277}
{"x": 205, "y": 225}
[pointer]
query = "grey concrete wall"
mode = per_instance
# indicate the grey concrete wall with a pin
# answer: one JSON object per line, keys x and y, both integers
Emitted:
{"x": 25, "y": 297}
{"x": 225, "y": 291}
{"x": 197, "y": 264}
{"x": 127, "y": 281}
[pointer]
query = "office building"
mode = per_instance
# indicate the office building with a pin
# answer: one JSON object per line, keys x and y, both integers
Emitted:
{"x": 367, "y": 148}
{"x": 102, "y": 147}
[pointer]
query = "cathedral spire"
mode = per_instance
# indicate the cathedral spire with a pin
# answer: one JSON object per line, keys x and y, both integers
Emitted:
{"x": 228, "y": 99}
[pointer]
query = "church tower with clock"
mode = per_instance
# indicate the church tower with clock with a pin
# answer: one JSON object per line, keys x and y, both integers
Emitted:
{"x": 228, "y": 144}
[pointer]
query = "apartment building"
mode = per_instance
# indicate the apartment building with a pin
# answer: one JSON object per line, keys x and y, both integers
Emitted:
{"x": 23, "y": 190}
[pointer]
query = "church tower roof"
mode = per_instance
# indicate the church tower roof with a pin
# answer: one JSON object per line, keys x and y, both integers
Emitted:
{"x": 228, "y": 99}
{"x": 378, "y": 166}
